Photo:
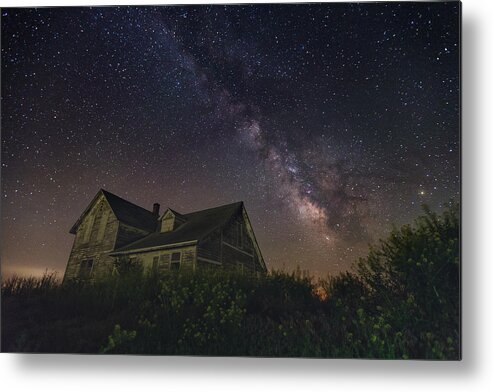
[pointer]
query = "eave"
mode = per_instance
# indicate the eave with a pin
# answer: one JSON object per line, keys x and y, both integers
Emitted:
{"x": 153, "y": 248}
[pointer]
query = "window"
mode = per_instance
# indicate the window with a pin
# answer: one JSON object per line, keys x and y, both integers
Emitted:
{"x": 88, "y": 228}
{"x": 175, "y": 261}
{"x": 85, "y": 269}
{"x": 102, "y": 225}
{"x": 163, "y": 261}
{"x": 155, "y": 261}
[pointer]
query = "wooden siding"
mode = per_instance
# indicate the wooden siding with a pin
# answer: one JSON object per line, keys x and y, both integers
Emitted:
{"x": 210, "y": 247}
{"x": 168, "y": 224}
{"x": 169, "y": 221}
{"x": 94, "y": 239}
{"x": 97, "y": 235}
{"x": 233, "y": 258}
{"x": 187, "y": 259}
{"x": 232, "y": 247}
{"x": 259, "y": 264}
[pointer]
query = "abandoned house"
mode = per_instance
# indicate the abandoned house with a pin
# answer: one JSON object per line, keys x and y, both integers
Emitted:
{"x": 112, "y": 228}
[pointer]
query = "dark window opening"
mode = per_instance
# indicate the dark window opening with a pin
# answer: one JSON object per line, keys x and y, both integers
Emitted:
{"x": 85, "y": 269}
{"x": 175, "y": 261}
{"x": 175, "y": 266}
{"x": 155, "y": 261}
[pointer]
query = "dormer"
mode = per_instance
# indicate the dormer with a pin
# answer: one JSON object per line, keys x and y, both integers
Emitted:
{"x": 171, "y": 220}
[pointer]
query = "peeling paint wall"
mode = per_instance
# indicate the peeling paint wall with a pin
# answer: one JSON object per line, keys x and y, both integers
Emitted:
{"x": 161, "y": 260}
{"x": 94, "y": 239}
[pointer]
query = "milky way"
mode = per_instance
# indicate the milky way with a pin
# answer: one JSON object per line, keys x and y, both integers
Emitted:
{"x": 332, "y": 122}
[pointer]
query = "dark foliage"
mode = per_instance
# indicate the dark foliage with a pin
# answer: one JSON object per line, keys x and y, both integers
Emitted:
{"x": 402, "y": 301}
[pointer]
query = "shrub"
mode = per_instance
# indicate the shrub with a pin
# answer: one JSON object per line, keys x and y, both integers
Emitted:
{"x": 401, "y": 301}
{"x": 404, "y": 299}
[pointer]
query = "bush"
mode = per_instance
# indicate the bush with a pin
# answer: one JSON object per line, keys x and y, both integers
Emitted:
{"x": 401, "y": 301}
{"x": 404, "y": 300}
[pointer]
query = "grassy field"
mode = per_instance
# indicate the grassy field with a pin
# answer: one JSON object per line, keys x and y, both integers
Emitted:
{"x": 401, "y": 301}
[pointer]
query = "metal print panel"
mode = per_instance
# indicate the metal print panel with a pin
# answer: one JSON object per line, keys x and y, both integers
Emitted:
{"x": 278, "y": 180}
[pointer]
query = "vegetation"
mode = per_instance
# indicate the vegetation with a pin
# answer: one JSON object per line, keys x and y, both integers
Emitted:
{"x": 401, "y": 301}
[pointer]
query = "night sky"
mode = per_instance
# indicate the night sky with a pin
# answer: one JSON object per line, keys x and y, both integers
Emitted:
{"x": 332, "y": 122}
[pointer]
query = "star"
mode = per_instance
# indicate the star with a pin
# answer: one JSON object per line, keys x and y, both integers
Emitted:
{"x": 325, "y": 119}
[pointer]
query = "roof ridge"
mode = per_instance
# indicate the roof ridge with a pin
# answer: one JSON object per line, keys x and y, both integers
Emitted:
{"x": 125, "y": 200}
{"x": 175, "y": 212}
{"x": 214, "y": 208}
{"x": 197, "y": 226}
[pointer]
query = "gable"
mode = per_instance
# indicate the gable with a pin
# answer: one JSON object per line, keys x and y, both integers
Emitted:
{"x": 89, "y": 212}
{"x": 124, "y": 211}
{"x": 251, "y": 233}
{"x": 170, "y": 221}
{"x": 94, "y": 223}
{"x": 239, "y": 234}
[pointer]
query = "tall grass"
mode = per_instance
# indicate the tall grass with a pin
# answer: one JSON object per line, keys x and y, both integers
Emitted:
{"x": 402, "y": 301}
{"x": 22, "y": 286}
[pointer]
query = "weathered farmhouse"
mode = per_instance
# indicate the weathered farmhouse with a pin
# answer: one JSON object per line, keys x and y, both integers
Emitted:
{"x": 112, "y": 228}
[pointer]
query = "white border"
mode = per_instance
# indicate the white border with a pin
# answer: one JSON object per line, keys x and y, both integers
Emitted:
{"x": 127, "y": 373}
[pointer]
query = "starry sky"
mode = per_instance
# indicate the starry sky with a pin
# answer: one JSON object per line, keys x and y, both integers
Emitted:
{"x": 332, "y": 122}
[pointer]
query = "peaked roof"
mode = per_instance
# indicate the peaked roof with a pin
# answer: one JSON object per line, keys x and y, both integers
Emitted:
{"x": 196, "y": 226}
{"x": 175, "y": 213}
{"x": 125, "y": 211}
{"x": 131, "y": 213}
